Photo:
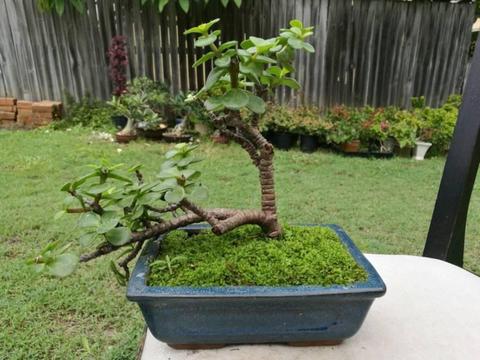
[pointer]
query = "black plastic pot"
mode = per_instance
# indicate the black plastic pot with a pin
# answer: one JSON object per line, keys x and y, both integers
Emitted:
{"x": 308, "y": 143}
{"x": 282, "y": 140}
{"x": 119, "y": 121}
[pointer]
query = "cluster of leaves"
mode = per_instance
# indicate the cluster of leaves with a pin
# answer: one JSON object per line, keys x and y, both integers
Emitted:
{"x": 245, "y": 257}
{"x": 87, "y": 112}
{"x": 185, "y": 4}
{"x": 118, "y": 62}
{"x": 136, "y": 109}
{"x": 59, "y": 5}
{"x": 113, "y": 204}
{"x": 240, "y": 68}
{"x": 301, "y": 120}
{"x": 372, "y": 126}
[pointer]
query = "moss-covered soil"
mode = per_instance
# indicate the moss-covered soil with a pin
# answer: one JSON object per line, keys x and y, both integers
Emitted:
{"x": 303, "y": 256}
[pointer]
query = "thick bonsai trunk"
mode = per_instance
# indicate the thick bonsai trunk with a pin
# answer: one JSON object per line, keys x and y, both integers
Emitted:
{"x": 261, "y": 153}
{"x": 267, "y": 186}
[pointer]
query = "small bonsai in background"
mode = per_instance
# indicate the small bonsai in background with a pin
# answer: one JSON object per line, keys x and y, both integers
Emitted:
{"x": 135, "y": 109}
{"x": 121, "y": 210}
{"x": 118, "y": 63}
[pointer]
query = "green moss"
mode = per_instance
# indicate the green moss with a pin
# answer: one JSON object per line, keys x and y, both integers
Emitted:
{"x": 303, "y": 256}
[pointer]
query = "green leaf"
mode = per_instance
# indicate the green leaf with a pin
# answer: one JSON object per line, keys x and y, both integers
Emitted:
{"x": 108, "y": 221}
{"x": 79, "y": 5}
{"x": 227, "y": 45}
{"x": 238, "y": 3}
{"x": 169, "y": 173}
{"x": 121, "y": 279}
{"x": 118, "y": 236}
{"x": 235, "y": 99}
{"x": 99, "y": 188}
{"x": 296, "y": 23}
{"x": 63, "y": 265}
{"x": 171, "y": 153}
{"x": 88, "y": 220}
{"x": 213, "y": 77}
{"x": 205, "y": 40}
{"x": 82, "y": 180}
{"x": 66, "y": 187}
{"x": 190, "y": 174}
{"x": 204, "y": 59}
{"x": 308, "y": 47}
{"x": 176, "y": 195}
{"x": 256, "y": 104}
{"x": 292, "y": 83}
{"x": 184, "y": 4}
{"x": 213, "y": 104}
{"x": 119, "y": 177}
{"x": 187, "y": 161}
{"x": 60, "y": 6}
{"x": 295, "y": 43}
{"x": 199, "y": 193}
{"x": 223, "y": 62}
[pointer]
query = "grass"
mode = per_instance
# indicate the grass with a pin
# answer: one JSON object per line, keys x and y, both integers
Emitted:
{"x": 385, "y": 206}
{"x": 246, "y": 257}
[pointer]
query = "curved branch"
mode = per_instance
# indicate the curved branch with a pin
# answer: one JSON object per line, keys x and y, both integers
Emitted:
{"x": 245, "y": 144}
{"x": 159, "y": 229}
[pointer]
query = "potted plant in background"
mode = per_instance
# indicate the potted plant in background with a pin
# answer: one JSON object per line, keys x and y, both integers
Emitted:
{"x": 344, "y": 129}
{"x": 403, "y": 128}
{"x": 118, "y": 62}
{"x": 375, "y": 131}
{"x": 279, "y": 123}
{"x": 199, "y": 291}
{"x": 310, "y": 127}
{"x": 423, "y": 142}
{"x": 136, "y": 110}
{"x": 156, "y": 99}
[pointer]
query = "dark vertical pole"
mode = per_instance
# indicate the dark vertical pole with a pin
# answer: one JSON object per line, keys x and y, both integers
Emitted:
{"x": 447, "y": 229}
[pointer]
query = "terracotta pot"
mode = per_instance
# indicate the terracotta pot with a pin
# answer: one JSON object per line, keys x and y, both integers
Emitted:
{"x": 125, "y": 138}
{"x": 351, "y": 146}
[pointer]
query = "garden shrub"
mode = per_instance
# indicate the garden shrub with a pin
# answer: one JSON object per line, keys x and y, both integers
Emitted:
{"x": 87, "y": 112}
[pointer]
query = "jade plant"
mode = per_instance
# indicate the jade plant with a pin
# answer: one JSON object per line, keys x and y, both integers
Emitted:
{"x": 119, "y": 210}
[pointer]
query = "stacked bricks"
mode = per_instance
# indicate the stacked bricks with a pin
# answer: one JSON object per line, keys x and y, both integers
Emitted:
{"x": 8, "y": 113}
{"x": 44, "y": 112}
{"x": 24, "y": 115}
{"x": 27, "y": 114}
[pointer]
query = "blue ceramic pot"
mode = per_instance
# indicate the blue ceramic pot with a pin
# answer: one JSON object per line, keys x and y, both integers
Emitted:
{"x": 189, "y": 317}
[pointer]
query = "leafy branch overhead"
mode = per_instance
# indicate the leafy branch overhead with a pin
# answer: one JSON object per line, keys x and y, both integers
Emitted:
{"x": 240, "y": 68}
{"x": 120, "y": 210}
{"x": 59, "y": 5}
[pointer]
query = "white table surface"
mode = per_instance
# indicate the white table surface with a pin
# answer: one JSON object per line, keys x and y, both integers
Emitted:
{"x": 431, "y": 311}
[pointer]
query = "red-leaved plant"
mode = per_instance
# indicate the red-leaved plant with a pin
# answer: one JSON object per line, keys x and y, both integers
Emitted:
{"x": 118, "y": 62}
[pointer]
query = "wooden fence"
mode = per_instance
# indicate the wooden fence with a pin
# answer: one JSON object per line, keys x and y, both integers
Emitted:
{"x": 377, "y": 52}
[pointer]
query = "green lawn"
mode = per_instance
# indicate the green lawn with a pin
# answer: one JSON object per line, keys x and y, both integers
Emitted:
{"x": 385, "y": 205}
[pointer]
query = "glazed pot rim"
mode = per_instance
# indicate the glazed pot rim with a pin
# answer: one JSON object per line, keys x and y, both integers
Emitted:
{"x": 139, "y": 291}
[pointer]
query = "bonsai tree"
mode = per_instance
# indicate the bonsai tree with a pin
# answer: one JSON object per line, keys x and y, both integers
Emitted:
{"x": 120, "y": 211}
{"x": 135, "y": 108}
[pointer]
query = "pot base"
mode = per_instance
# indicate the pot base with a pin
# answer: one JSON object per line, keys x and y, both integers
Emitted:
{"x": 220, "y": 346}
